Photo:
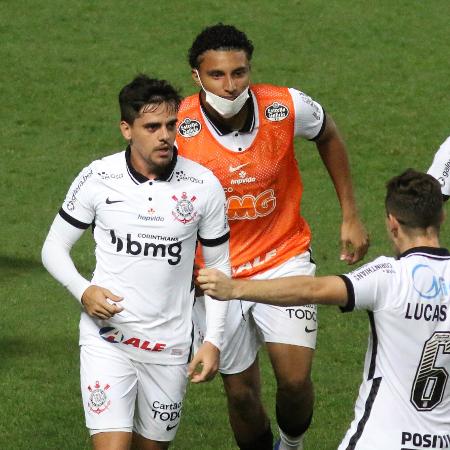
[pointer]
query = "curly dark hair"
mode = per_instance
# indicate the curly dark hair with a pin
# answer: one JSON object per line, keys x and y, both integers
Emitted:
{"x": 415, "y": 199}
{"x": 219, "y": 37}
{"x": 142, "y": 91}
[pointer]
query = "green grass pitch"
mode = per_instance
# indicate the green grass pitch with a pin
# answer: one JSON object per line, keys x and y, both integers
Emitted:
{"x": 379, "y": 68}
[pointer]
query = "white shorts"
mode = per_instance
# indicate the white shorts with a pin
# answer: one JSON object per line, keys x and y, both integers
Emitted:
{"x": 120, "y": 394}
{"x": 251, "y": 324}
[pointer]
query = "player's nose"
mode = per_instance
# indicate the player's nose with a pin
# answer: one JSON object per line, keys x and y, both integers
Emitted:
{"x": 230, "y": 85}
{"x": 164, "y": 135}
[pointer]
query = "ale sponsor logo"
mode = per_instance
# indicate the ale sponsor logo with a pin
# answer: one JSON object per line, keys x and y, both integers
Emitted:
{"x": 115, "y": 336}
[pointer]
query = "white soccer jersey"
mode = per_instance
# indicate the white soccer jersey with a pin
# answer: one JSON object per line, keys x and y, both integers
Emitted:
{"x": 440, "y": 168}
{"x": 404, "y": 398}
{"x": 146, "y": 233}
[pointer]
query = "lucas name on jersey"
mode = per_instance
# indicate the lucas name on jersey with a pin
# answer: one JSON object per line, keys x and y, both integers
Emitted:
{"x": 430, "y": 292}
{"x": 427, "y": 312}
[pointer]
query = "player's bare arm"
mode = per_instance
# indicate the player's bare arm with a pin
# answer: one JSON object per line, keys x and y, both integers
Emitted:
{"x": 95, "y": 302}
{"x": 354, "y": 237}
{"x": 288, "y": 291}
{"x": 205, "y": 363}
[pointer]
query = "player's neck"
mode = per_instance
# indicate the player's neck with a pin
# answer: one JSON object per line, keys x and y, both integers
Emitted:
{"x": 144, "y": 167}
{"x": 406, "y": 242}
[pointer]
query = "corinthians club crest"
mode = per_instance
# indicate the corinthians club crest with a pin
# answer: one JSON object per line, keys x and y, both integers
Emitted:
{"x": 184, "y": 209}
{"x": 98, "y": 398}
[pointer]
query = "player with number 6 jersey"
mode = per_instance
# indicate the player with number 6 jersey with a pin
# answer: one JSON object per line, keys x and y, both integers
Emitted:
{"x": 404, "y": 398}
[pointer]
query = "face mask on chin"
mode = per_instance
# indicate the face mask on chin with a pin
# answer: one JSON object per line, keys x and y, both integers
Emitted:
{"x": 226, "y": 108}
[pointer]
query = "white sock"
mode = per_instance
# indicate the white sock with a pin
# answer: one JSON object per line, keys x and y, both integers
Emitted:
{"x": 290, "y": 442}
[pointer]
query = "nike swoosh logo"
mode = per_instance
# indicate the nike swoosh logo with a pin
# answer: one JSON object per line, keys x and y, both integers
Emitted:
{"x": 310, "y": 330}
{"x": 235, "y": 169}
{"x": 110, "y": 202}
{"x": 171, "y": 427}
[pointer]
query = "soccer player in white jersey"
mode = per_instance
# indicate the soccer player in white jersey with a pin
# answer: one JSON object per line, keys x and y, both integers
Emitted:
{"x": 440, "y": 168}
{"x": 404, "y": 398}
{"x": 148, "y": 207}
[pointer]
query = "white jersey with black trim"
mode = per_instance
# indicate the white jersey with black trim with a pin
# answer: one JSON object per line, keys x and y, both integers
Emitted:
{"x": 440, "y": 167}
{"x": 404, "y": 398}
{"x": 146, "y": 233}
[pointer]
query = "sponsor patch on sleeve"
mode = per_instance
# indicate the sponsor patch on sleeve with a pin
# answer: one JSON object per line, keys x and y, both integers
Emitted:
{"x": 370, "y": 268}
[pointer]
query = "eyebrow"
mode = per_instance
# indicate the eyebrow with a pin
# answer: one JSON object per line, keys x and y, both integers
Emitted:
{"x": 237, "y": 69}
{"x": 169, "y": 122}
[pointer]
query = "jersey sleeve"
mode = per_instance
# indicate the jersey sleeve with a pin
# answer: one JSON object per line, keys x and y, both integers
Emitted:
{"x": 77, "y": 208}
{"x": 440, "y": 167}
{"x": 370, "y": 286}
{"x": 56, "y": 256}
{"x": 309, "y": 116}
{"x": 213, "y": 227}
{"x": 217, "y": 257}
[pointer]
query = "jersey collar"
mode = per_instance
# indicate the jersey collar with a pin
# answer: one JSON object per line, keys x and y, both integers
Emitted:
{"x": 137, "y": 177}
{"x": 431, "y": 251}
{"x": 222, "y": 129}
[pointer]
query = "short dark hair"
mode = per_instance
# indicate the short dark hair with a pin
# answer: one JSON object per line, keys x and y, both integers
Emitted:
{"x": 415, "y": 200}
{"x": 142, "y": 91}
{"x": 219, "y": 37}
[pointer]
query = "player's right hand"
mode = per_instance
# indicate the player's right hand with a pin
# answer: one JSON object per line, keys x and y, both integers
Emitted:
{"x": 216, "y": 284}
{"x": 95, "y": 302}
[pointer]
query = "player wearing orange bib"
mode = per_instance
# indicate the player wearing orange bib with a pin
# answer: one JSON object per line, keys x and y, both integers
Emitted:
{"x": 262, "y": 189}
{"x": 245, "y": 135}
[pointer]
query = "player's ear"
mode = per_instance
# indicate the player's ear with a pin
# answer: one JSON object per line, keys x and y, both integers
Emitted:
{"x": 125, "y": 129}
{"x": 196, "y": 77}
{"x": 393, "y": 225}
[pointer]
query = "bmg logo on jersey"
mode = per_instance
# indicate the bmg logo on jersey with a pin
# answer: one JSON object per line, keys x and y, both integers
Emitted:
{"x": 134, "y": 247}
{"x": 427, "y": 284}
{"x": 251, "y": 207}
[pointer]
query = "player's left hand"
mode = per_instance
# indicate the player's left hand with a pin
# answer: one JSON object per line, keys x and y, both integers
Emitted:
{"x": 354, "y": 240}
{"x": 204, "y": 364}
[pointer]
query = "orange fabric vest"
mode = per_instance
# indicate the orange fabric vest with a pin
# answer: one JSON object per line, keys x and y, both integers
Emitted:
{"x": 262, "y": 183}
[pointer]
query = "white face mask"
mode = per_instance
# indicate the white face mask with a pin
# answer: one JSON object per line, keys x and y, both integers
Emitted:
{"x": 226, "y": 108}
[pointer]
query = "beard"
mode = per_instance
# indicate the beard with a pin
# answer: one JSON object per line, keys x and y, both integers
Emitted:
{"x": 159, "y": 167}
